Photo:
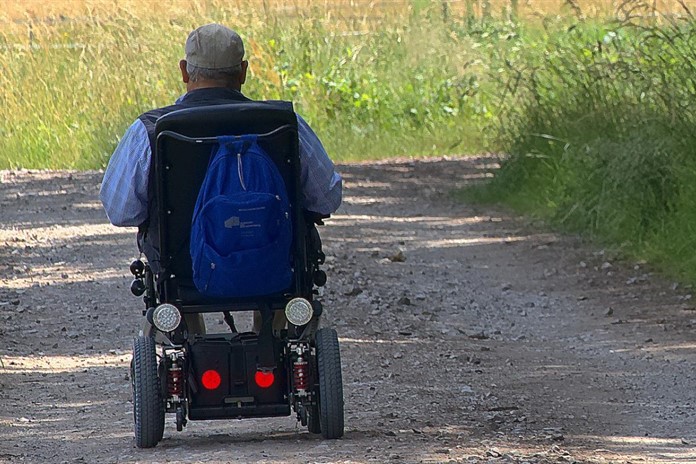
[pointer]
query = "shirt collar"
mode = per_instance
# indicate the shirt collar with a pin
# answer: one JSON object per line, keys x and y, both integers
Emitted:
{"x": 212, "y": 93}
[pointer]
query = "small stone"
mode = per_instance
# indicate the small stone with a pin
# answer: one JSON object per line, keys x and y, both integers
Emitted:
{"x": 479, "y": 336}
{"x": 398, "y": 257}
{"x": 404, "y": 300}
{"x": 355, "y": 291}
{"x": 609, "y": 311}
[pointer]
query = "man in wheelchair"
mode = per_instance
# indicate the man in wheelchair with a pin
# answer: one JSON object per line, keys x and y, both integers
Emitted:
{"x": 226, "y": 193}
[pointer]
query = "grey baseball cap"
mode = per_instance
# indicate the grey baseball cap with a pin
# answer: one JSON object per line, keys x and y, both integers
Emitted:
{"x": 214, "y": 46}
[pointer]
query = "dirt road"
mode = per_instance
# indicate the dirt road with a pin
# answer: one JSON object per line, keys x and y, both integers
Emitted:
{"x": 467, "y": 336}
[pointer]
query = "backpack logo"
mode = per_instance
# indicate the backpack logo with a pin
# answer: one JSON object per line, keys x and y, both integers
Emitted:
{"x": 241, "y": 232}
{"x": 232, "y": 222}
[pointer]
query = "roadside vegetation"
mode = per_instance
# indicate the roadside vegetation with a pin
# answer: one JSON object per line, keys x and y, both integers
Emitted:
{"x": 376, "y": 79}
{"x": 600, "y": 137}
{"x": 591, "y": 101}
{"x": 402, "y": 78}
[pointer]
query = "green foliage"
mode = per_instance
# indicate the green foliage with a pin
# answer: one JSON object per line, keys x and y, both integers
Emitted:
{"x": 601, "y": 140}
{"x": 411, "y": 84}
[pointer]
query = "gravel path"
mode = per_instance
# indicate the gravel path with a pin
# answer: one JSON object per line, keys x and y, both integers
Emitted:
{"x": 467, "y": 335}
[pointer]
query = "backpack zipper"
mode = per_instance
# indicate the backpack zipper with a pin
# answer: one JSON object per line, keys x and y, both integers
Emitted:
{"x": 240, "y": 171}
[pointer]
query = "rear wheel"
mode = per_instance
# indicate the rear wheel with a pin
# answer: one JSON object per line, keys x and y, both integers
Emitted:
{"x": 148, "y": 407}
{"x": 313, "y": 424}
{"x": 329, "y": 408}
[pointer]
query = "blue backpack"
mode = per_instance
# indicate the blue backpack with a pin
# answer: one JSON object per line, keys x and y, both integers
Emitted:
{"x": 241, "y": 232}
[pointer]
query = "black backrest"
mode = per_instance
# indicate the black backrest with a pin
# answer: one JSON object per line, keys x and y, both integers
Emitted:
{"x": 185, "y": 140}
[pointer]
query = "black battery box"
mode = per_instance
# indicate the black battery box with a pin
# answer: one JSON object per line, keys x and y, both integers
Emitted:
{"x": 226, "y": 381}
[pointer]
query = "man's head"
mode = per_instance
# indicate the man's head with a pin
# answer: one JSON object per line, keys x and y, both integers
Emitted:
{"x": 214, "y": 58}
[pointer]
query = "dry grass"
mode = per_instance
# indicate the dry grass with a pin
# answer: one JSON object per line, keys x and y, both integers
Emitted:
{"x": 14, "y": 11}
{"x": 74, "y": 73}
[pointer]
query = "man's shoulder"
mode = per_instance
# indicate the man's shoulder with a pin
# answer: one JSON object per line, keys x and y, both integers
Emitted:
{"x": 150, "y": 117}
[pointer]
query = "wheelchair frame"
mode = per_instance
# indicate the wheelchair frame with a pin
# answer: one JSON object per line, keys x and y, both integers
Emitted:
{"x": 230, "y": 375}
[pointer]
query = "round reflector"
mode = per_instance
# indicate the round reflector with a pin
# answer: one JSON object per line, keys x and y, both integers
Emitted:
{"x": 264, "y": 379}
{"x": 166, "y": 317}
{"x": 211, "y": 379}
{"x": 299, "y": 311}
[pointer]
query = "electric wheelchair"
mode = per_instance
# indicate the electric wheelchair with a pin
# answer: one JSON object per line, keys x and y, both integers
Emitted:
{"x": 230, "y": 375}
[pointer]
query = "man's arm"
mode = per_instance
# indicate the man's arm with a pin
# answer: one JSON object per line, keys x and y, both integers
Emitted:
{"x": 124, "y": 187}
{"x": 322, "y": 186}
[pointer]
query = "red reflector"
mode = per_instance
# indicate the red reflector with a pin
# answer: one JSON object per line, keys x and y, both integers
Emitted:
{"x": 264, "y": 379}
{"x": 211, "y": 379}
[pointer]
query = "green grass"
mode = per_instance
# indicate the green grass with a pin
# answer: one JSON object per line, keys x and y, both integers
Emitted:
{"x": 602, "y": 140}
{"x": 409, "y": 84}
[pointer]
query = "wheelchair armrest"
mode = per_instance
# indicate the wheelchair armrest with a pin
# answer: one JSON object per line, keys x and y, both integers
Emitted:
{"x": 315, "y": 218}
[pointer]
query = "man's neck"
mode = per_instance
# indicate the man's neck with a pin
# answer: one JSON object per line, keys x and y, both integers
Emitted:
{"x": 205, "y": 84}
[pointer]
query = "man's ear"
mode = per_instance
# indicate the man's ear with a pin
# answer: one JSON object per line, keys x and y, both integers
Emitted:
{"x": 184, "y": 73}
{"x": 243, "y": 73}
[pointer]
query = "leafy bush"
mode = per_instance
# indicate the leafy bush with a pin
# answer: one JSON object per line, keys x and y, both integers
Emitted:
{"x": 602, "y": 139}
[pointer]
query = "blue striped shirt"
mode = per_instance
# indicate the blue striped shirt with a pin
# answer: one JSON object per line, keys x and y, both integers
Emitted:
{"x": 125, "y": 184}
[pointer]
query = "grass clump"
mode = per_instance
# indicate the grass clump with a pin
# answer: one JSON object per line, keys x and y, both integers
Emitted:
{"x": 602, "y": 141}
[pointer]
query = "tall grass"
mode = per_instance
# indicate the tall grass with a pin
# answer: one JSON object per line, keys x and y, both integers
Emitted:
{"x": 376, "y": 79}
{"x": 602, "y": 141}
{"x": 403, "y": 83}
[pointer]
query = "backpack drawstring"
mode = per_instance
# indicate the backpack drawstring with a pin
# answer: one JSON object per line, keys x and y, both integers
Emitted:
{"x": 240, "y": 171}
